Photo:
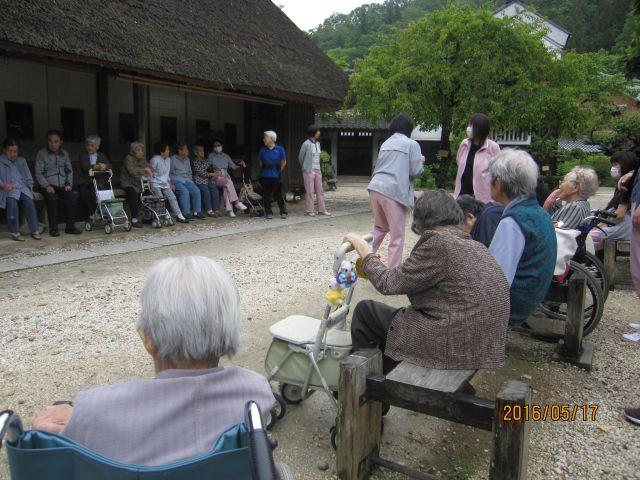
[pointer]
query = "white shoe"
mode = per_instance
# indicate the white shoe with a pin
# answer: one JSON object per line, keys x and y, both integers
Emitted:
{"x": 231, "y": 214}
{"x": 326, "y": 214}
{"x": 631, "y": 337}
{"x": 241, "y": 206}
{"x": 310, "y": 214}
{"x": 635, "y": 326}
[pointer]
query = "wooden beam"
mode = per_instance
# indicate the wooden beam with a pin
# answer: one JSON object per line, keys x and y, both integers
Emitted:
{"x": 141, "y": 113}
{"x": 610, "y": 263}
{"x": 510, "y": 436}
{"x": 359, "y": 423}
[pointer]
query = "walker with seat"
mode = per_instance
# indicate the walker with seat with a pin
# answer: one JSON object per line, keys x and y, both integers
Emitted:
{"x": 110, "y": 210}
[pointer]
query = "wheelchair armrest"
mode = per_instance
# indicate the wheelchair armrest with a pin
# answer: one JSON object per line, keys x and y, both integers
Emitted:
{"x": 10, "y": 426}
{"x": 260, "y": 447}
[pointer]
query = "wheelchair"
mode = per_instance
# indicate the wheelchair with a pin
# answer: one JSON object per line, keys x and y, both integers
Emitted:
{"x": 243, "y": 452}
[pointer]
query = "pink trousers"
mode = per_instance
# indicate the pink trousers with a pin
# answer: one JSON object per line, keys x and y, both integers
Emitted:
{"x": 229, "y": 191}
{"x": 388, "y": 216}
{"x": 313, "y": 183}
{"x": 635, "y": 255}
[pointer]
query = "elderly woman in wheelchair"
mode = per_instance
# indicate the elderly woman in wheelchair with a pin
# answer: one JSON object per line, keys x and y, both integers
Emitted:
{"x": 189, "y": 320}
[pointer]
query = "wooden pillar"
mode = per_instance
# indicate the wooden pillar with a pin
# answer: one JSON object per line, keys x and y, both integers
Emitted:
{"x": 334, "y": 151}
{"x": 374, "y": 150}
{"x": 102, "y": 109}
{"x": 610, "y": 262}
{"x": 141, "y": 113}
{"x": 511, "y": 432}
{"x": 358, "y": 421}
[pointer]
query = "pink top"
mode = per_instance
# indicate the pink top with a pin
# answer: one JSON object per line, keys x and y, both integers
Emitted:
{"x": 481, "y": 174}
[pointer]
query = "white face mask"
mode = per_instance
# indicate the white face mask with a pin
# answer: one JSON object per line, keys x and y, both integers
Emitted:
{"x": 469, "y": 132}
{"x": 615, "y": 172}
{"x": 218, "y": 149}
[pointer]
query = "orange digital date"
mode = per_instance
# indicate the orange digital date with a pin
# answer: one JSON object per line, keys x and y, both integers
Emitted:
{"x": 555, "y": 413}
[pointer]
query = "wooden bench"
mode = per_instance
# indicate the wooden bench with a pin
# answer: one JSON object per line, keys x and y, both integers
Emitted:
{"x": 445, "y": 394}
{"x": 617, "y": 271}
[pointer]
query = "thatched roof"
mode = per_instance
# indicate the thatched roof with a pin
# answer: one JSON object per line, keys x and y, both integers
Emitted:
{"x": 240, "y": 45}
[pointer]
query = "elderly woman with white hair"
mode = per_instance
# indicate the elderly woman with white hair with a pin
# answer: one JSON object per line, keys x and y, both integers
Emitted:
{"x": 459, "y": 299}
{"x": 272, "y": 160}
{"x": 569, "y": 203}
{"x": 90, "y": 159}
{"x": 135, "y": 167}
{"x": 524, "y": 244}
{"x": 189, "y": 320}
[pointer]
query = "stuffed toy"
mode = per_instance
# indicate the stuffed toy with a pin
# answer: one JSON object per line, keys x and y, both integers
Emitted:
{"x": 346, "y": 277}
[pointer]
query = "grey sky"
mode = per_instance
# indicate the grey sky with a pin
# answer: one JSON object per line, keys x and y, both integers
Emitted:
{"x": 309, "y": 14}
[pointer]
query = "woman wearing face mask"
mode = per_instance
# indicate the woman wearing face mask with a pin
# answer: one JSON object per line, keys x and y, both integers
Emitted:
{"x": 621, "y": 164}
{"x": 474, "y": 153}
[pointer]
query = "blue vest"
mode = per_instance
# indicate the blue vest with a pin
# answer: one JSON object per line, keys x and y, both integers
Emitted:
{"x": 535, "y": 270}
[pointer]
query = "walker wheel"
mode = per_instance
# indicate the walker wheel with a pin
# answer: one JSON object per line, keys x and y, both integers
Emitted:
{"x": 155, "y": 224}
{"x": 292, "y": 394}
{"x": 127, "y": 227}
{"x": 334, "y": 437}
{"x": 108, "y": 228}
{"x": 88, "y": 226}
{"x": 277, "y": 412}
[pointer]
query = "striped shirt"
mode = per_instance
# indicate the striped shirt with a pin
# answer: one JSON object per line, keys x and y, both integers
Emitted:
{"x": 572, "y": 215}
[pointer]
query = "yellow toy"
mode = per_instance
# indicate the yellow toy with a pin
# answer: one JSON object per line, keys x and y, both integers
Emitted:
{"x": 336, "y": 296}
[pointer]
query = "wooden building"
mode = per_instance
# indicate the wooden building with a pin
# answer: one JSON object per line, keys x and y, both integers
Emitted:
{"x": 161, "y": 70}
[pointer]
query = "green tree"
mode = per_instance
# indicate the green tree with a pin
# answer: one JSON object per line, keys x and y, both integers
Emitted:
{"x": 623, "y": 134}
{"x": 458, "y": 61}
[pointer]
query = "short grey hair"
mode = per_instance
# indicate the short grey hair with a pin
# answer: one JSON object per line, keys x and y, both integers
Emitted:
{"x": 436, "y": 208}
{"x": 93, "y": 139}
{"x": 517, "y": 172}
{"x": 190, "y": 310}
{"x": 271, "y": 134}
{"x": 134, "y": 145}
{"x": 584, "y": 177}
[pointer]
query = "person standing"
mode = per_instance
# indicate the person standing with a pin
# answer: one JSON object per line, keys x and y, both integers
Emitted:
{"x": 474, "y": 153}
{"x": 16, "y": 188}
{"x": 309, "y": 158}
{"x": 220, "y": 163}
{"x": 273, "y": 161}
{"x": 391, "y": 186}
{"x": 90, "y": 159}
{"x": 54, "y": 174}
{"x": 182, "y": 178}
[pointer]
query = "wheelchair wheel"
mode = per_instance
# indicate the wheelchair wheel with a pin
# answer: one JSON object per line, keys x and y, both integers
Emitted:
{"x": 333, "y": 431}
{"x": 596, "y": 268}
{"x": 292, "y": 394}
{"x": 594, "y": 300}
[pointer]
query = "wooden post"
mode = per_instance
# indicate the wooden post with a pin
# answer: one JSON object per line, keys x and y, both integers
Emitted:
{"x": 359, "y": 420}
{"x": 572, "y": 349}
{"x": 102, "y": 90}
{"x": 511, "y": 432}
{"x": 140, "y": 113}
{"x": 610, "y": 262}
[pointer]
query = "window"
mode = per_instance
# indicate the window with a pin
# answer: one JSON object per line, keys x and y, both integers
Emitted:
{"x": 19, "y": 120}
{"x": 169, "y": 130}
{"x": 230, "y": 134}
{"x": 126, "y": 128}
{"x": 202, "y": 126}
{"x": 72, "y": 124}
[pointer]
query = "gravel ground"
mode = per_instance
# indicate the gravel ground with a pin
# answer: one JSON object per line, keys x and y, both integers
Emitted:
{"x": 69, "y": 327}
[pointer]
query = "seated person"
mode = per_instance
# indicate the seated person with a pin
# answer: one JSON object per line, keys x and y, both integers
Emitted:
{"x": 189, "y": 320}
{"x": 220, "y": 163}
{"x": 90, "y": 159}
{"x": 471, "y": 209}
{"x": 135, "y": 167}
{"x": 621, "y": 164}
{"x": 524, "y": 244}
{"x": 569, "y": 202}
{"x": 182, "y": 178}
{"x": 16, "y": 188}
{"x": 206, "y": 182}
{"x": 485, "y": 226}
{"x": 160, "y": 183}
{"x": 442, "y": 327}
{"x": 54, "y": 174}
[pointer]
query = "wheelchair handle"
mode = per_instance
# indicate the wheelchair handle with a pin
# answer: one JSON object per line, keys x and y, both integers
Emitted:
{"x": 345, "y": 248}
{"x": 10, "y": 426}
{"x": 260, "y": 447}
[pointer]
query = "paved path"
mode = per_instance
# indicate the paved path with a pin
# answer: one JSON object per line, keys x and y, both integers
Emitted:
{"x": 159, "y": 240}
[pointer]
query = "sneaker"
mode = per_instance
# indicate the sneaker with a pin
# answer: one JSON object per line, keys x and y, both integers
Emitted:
{"x": 326, "y": 214}
{"x": 17, "y": 237}
{"x": 73, "y": 231}
{"x": 36, "y": 236}
{"x": 635, "y": 326}
{"x": 284, "y": 215}
{"x": 211, "y": 213}
{"x": 231, "y": 214}
{"x": 631, "y": 337}
{"x": 241, "y": 206}
{"x": 269, "y": 216}
{"x": 199, "y": 216}
{"x": 633, "y": 415}
{"x": 181, "y": 219}
{"x": 310, "y": 214}
{"x": 54, "y": 233}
